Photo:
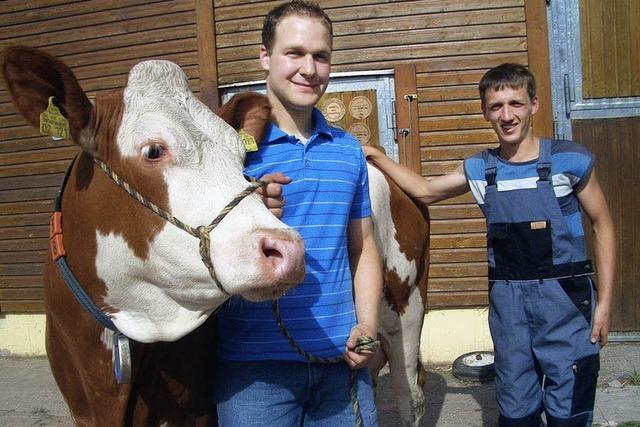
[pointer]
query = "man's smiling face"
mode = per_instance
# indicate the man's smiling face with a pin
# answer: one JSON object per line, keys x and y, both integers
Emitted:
{"x": 299, "y": 62}
{"x": 509, "y": 110}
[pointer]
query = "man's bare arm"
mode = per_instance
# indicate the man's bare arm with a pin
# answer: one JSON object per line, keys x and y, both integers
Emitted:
{"x": 366, "y": 269}
{"x": 595, "y": 206}
{"x": 424, "y": 190}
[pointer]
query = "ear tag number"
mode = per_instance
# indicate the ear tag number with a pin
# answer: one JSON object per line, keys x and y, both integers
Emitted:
{"x": 249, "y": 141}
{"x": 53, "y": 123}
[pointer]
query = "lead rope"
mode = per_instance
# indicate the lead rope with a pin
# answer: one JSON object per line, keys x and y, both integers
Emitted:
{"x": 202, "y": 232}
{"x": 363, "y": 343}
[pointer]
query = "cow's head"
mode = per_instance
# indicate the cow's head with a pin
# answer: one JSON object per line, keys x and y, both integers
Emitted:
{"x": 169, "y": 146}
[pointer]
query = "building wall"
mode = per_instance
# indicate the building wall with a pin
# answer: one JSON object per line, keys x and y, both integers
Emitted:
{"x": 450, "y": 45}
{"x": 446, "y": 334}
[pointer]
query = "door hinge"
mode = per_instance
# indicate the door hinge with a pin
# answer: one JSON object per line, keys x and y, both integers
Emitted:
{"x": 557, "y": 130}
{"x": 569, "y": 96}
{"x": 391, "y": 122}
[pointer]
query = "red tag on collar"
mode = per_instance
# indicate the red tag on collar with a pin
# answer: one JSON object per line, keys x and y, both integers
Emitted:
{"x": 55, "y": 236}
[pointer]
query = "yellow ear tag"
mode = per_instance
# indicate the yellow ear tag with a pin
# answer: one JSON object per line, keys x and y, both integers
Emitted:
{"x": 53, "y": 123}
{"x": 249, "y": 141}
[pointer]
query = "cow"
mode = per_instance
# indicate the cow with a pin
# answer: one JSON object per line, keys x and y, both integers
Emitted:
{"x": 402, "y": 235}
{"x": 142, "y": 275}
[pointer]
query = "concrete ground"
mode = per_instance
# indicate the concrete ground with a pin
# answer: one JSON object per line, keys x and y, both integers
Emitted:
{"x": 29, "y": 397}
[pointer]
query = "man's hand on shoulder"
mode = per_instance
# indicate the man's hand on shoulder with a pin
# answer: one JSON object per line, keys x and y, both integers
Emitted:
{"x": 271, "y": 193}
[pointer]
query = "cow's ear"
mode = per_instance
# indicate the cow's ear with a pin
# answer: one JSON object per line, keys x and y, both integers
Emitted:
{"x": 32, "y": 77}
{"x": 247, "y": 111}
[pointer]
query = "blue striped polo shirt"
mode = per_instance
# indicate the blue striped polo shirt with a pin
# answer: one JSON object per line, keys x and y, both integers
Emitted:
{"x": 571, "y": 165}
{"x": 329, "y": 188}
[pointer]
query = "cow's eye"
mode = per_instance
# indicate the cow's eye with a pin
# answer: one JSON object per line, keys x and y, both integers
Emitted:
{"x": 153, "y": 151}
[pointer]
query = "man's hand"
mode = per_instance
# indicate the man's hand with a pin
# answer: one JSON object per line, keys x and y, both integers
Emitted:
{"x": 600, "y": 331}
{"x": 271, "y": 193}
{"x": 358, "y": 360}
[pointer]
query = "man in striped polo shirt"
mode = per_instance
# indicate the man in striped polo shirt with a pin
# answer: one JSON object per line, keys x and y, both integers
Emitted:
{"x": 541, "y": 303}
{"x": 261, "y": 378}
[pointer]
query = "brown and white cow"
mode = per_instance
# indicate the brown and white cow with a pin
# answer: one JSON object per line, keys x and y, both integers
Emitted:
{"x": 402, "y": 236}
{"x": 143, "y": 272}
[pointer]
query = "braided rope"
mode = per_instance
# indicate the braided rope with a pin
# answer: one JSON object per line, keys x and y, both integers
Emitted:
{"x": 202, "y": 232}
{"x": 363, "y": 343}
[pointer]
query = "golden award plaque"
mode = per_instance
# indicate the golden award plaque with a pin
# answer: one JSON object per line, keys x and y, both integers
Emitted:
{"x": 361, "y": 131}
{"x": 360, "y": 107}
{"x": 333, "y": 110}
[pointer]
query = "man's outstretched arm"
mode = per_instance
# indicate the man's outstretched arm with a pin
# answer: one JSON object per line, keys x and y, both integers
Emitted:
{"x": 419, "y": 188}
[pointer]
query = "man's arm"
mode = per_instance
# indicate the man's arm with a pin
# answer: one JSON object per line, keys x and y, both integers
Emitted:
{"x": 424, "y": 190}
{"x": 366, "y": 269}
{"x": 595, "y": 206}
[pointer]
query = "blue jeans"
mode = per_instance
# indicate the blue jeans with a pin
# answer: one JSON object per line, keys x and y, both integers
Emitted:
{"x": 288, "y": 393}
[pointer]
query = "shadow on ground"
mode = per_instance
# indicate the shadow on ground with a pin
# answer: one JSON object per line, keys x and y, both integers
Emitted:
{"x": 466, "y": 403}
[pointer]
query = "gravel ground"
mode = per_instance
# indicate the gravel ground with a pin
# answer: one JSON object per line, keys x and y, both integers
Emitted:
{"x": 29, "y": 396}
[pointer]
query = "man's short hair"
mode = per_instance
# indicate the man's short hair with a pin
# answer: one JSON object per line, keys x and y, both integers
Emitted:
{"x": 294, "y": 7}
{"x": 511, "y": 75}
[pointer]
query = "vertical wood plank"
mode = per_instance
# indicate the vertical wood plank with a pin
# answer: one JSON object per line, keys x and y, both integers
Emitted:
{"x": 598, "y": 61}
{"x": 634, "y": 46}
{"x": 586, "y": 49}
{"x": 609, "y": 35}
{"x": 407, "y": 117}
{"x": 207, "y": 56}
{"x": 538, "y": 58}
{"x": 622, "y": 52}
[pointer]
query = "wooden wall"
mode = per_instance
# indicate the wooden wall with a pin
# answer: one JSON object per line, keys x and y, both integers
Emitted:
{"x": 451, "y": 45}
{"x": 610, "y": 32}
{"x": 100, "y": 40}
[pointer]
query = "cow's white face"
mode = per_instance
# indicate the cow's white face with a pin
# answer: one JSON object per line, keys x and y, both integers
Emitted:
{"x": 170, "y": 292}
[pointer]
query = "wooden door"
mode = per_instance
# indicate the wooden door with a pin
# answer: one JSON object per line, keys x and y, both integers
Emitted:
{"x": 597, "y": 103}
{"x": 615, "y": 145}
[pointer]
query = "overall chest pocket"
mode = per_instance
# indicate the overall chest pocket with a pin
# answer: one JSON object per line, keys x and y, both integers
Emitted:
{"x": 521, "y": 247}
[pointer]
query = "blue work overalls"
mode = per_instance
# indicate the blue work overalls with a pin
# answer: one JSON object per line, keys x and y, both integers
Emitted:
{"x": 541, "y": 302}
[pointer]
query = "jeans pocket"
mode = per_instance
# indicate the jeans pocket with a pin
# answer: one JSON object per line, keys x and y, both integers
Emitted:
{"x": 578, "y": 289}
{"x": 584, "y": 387}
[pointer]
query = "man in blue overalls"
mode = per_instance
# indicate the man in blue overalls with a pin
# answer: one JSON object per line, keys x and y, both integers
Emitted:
{"x": 546, "y": 328}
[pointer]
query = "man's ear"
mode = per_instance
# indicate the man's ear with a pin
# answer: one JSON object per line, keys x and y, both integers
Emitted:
{"x": 484, "y": 110}
{"x": 534, "y": 105}
{"x": 264, "y": 58}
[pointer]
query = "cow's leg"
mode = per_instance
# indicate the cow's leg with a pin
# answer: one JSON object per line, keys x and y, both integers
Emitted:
{"x": 377, "y": 362}
{"x": 401, "y": 343}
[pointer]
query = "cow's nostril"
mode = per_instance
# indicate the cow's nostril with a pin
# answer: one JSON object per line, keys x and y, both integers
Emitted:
{"x": 271, "y": 252}
{"x": 284, "y": 258}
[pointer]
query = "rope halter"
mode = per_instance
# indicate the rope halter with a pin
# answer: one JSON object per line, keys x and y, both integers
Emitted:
{"x": 202, "y": 232}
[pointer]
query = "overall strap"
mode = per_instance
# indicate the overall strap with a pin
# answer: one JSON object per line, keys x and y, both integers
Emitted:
{"x": 490, "y": 166}
{"x": 543, "y": 166}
